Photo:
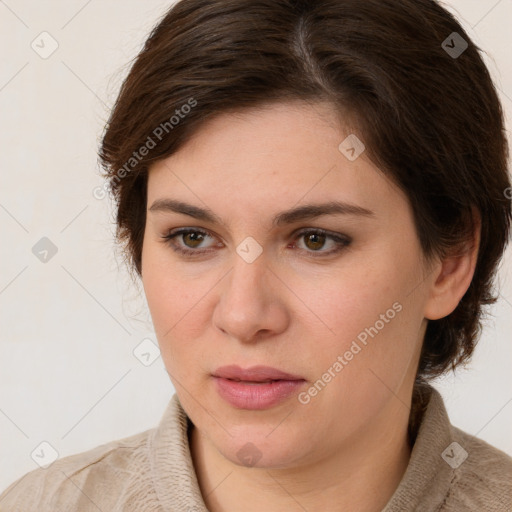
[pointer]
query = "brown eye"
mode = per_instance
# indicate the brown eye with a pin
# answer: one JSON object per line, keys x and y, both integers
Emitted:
{"x": 193, "y": 238}
{"x": 315, "y": 241}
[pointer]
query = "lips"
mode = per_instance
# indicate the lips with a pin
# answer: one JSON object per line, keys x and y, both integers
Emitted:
{"x": 255, "y": 388}
{"x": 259, "y": 374}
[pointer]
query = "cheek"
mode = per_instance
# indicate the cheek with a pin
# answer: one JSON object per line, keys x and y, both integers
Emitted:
{"x": 365, "y": 317}
{"x": 369, "y": 353}
{"x": 168, "y": 306}
{"x": 173, "y": 304}
{"x": 168, "y": 292}
{"x": 177, "y": 302}
{"x": 344, "y": 303}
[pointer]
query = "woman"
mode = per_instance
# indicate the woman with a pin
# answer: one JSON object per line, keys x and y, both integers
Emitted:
{"x": 316, "y": 218}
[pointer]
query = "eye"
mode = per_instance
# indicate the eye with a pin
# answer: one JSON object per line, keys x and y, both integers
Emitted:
{"x": 191, "y": 237}
{"x": 315, "y": 239}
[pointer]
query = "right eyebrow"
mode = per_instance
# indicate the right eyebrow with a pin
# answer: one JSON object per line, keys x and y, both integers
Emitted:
{"x": 171, "y": 205}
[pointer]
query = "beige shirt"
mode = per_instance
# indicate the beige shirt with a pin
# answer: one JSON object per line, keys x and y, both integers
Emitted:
{"x": 449, "y": 471}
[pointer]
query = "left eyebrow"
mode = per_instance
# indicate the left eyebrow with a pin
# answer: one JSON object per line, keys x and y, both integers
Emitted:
{"x": 301, "y": 213}
{"x": 311, "y": 211}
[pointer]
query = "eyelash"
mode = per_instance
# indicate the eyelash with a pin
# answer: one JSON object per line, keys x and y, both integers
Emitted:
{"x": 341, "y": 241}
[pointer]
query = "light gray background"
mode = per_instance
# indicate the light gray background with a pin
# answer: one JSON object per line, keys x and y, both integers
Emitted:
{"x": 69, "y": 326}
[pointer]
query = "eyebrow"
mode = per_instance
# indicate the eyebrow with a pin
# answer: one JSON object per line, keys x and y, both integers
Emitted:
{"x": 301, "y": 213}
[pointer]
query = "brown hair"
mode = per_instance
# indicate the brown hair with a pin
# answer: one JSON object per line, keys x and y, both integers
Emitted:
{"x": 430, "y": 119}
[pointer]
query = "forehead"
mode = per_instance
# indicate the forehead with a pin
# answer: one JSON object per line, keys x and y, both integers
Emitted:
{"x": 282, "y": 154}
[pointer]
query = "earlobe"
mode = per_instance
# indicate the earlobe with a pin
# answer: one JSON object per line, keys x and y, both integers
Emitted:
{"x": 453, "y": 276}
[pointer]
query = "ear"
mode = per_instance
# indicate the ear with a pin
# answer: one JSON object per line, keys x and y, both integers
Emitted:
{"x": 452, "y": 277}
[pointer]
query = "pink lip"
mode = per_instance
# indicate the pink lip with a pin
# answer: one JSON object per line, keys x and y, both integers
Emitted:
{"x": 232, "y": 383}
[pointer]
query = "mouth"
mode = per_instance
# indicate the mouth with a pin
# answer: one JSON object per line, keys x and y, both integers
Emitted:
{"x": 256, "y": 388}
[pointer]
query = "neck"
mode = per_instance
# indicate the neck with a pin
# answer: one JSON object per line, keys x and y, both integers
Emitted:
{"x": 360, "y": 476}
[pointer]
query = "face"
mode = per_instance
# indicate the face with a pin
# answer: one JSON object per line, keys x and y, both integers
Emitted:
{"x": 336, "y": 299}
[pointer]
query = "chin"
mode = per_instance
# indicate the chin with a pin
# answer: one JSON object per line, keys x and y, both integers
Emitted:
{"x": 252, "y": 447}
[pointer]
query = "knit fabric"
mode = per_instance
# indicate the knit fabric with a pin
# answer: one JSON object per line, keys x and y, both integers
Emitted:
{"x": 153, "y": 472}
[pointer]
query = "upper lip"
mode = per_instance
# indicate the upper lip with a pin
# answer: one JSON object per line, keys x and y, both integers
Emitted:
{"x": 253, "y": 374}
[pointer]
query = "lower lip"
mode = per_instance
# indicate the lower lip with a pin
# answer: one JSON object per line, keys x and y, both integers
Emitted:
{"x": 256, "y": 396}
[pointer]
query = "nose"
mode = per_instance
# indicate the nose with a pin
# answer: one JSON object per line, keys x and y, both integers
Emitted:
{"x": 251, "y": 304}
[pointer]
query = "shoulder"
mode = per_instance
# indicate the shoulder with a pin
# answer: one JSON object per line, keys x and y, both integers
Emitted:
{"x": 83, "y": 481}
{"x": 481, "y": 475}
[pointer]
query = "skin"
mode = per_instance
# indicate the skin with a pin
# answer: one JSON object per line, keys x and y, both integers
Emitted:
{"x": 292, "y": 309}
